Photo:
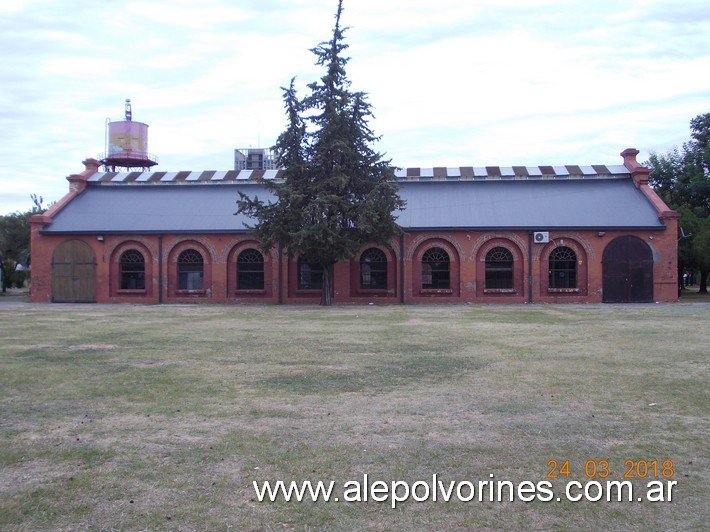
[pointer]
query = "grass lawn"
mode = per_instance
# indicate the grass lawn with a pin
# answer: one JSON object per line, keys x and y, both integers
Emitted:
{"x": 162, "y": 417}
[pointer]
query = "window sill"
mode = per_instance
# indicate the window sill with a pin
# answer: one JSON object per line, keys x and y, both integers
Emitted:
{"x": 502, "y": 291}
{"x": 250, "y": 292}
{"x": 131, "y": 292}
{"x": 563, "y": 290}
{"x": 373, "y": 291}
{"x": 191, "y": 293}
{"x": 436, "y": 291}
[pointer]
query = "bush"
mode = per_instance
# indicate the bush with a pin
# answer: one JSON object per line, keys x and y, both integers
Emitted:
{"x": 18, "y": 278}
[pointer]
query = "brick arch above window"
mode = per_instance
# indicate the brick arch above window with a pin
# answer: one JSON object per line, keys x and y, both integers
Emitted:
{"x": 576, "y": 241}
{"x": 574, "y": 245}
{"x": 491, "y": 240}
{"x": 376, "y": 279}
{"x": 205, "y": 244}
{"x": 241, "y": 241}
{"x": 582, "y": 273}
{"x": 237, "y": 247}
{"x": 115, "y": 271}
{"x": 252, "y": 282}
{"x": 452, "y": 246}
{"x": 507, "y": 280}
{"x": 121, "y": 247}
{"x": 423, "y": 274}
{"x": 183, "y": 245}
{"x": 174, "y": 289}
{"x": 145, "y": 243}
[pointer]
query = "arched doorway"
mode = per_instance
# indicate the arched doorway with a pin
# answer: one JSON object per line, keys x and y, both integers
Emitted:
{"x": 627, "y": 271}
{"x": 73, "y": 273}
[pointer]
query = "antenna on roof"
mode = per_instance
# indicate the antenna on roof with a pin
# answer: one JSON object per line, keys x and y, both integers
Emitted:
{"x": 129, "y": 112}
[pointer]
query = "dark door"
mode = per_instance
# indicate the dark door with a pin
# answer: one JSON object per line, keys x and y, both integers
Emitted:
{"x": 627, "y": 271}
{"x": 73, "y": 273}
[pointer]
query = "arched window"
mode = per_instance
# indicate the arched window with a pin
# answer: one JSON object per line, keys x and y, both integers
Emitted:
{"x": 131, "y": 267}
{"x": 435, "y": 269}
{"x": 310, "y": 275}
{"x": 499, "y": 269}
{"x": 563, "y": 268}
{"x": 191, "y": 270}
{"x": 373, "y": 269}
{"x": 250, "y": 270}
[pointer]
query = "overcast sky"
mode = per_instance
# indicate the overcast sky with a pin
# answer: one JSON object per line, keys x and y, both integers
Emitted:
{"x": 452, "y": 82}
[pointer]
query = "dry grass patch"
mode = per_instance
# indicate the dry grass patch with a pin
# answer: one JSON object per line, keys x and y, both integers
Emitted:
{"x": 129, "y": 417}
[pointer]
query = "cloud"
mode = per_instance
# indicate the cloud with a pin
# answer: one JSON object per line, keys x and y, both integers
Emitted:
{"x": 473, "y": 83}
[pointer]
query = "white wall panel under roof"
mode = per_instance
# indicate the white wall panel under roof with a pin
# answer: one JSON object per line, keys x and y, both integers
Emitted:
{"x": 507, "y": 171}
{"x": 96, "y": 177}
{"x": 426, "y": 172}
{"x": 244, "y": 174}
{"x": 120, "y": 177}
{"x": 588, "y": 170}
{"x": 560, "y": 170}
{"x": 145, "y": 176}
{"x": 534, "y": 170}
{"x": 169, "y": 176}
{"x": 400, "y": 173}
{"x": 453, "y": 172}
{"x": 270, "y": 174}
{"x": 219, "y": 176}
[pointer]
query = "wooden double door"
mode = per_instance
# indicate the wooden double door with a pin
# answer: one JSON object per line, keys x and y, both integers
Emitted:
{"x": 73, "y": 273}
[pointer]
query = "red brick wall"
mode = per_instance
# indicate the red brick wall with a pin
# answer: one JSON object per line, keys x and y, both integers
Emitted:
{"x": 466, "y": 249}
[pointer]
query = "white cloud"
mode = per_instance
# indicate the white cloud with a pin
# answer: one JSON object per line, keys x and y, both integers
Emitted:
{"x": 473, "y": 83}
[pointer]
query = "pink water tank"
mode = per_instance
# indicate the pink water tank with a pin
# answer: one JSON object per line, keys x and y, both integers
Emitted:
{"x": 127, "y": 143}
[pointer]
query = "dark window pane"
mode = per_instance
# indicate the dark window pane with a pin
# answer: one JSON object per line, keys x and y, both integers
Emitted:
{"x": 373, "y": 269}
{"x": 190, "y": 270}
{"x": 132, "y": 270}
{"x": 563, "y": 268}
{"x": 250, "y": 270}
{"x": 435, "y": 269}
{"x": 499, "y": 268}
{"x": 310, "y": 276}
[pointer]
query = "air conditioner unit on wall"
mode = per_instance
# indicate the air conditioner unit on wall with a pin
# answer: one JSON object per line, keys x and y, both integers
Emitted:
{"x": 541, "y": 237}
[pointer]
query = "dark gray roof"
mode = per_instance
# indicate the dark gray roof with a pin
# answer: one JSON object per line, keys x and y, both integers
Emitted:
{"x": 536, "y": 204}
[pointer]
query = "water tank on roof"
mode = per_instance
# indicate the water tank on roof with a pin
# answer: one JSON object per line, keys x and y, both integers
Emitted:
{"x": 127, "y": 144}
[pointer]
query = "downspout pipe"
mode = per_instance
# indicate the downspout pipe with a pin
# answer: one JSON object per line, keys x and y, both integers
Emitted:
{"x": 280, "y": 275}
{"x": 160, "y": 269}
{"x": 401, "y": 269}
{"x": 530, "y": 266}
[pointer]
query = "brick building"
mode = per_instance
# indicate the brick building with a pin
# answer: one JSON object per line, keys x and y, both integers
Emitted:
{"x": 472, "y": 234}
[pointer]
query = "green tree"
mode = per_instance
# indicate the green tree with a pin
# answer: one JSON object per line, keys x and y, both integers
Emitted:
{"x": 15, "y": 241}
{"x": 337, "y": 193}
{"x": 682, "y": 178}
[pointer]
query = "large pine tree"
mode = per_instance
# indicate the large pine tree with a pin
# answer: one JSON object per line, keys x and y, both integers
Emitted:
{"x": 338, "y": 193}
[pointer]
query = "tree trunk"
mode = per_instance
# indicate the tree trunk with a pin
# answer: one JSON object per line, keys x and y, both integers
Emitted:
{"x": 325, "y": 296}
{"x": 703, "y": 282}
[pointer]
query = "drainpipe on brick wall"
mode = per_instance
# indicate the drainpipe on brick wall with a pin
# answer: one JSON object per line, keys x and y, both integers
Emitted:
{"x": 401, "y": 268}
{"x": 280, "y": 274}
{"x": 160, "y": 268}
{"x": 530, "y": 267}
